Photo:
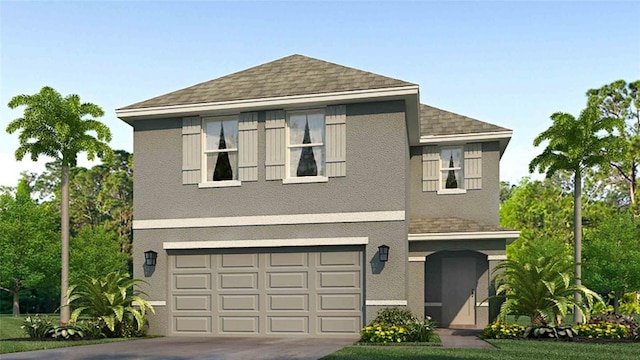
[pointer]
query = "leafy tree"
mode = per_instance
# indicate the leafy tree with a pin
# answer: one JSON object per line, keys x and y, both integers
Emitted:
{"x": 539, "y": 210}
{"x": 506, "y": 190}
{"x": 541, "y": 290}
{"x": 55, "y": 126}
{"x": 621, "y": 101}
{"x": 612, "y": 257}
{"x": 95, "y": 252}
{"x": 575, "y": 145}
{"x": 27, "y": 243}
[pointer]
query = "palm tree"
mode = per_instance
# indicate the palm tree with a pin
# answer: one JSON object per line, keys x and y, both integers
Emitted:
{"x": 541, "y": 290}
{"x": 55, "y": 126}
{"x": 575, "y": 145}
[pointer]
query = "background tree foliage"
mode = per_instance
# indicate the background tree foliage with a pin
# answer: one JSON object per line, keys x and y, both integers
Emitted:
{"x": 620, "y": 102}
{"x": 28, "y": 243}
{"x": 101, "y": 213}
{"x": 61, "y": 128}
{"x": 612, "y": 256}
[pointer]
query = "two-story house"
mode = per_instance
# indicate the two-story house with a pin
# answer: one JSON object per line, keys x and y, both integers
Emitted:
{"x": 299, "y": 197}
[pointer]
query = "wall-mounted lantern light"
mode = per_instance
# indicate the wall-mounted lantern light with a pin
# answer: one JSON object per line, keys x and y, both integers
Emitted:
{"x": 150, "y": 257}
{"x": 383, "y": 253}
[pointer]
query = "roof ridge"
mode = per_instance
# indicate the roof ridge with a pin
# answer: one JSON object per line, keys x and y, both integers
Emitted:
{"x": 291, "y": 75}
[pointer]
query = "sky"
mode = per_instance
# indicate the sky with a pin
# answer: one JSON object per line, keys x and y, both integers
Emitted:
{"x": 508, "y": 63}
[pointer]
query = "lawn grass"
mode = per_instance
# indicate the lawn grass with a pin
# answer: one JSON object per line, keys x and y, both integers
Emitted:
{"x": 506, "y": 350}
{"x": 13, "y": 338}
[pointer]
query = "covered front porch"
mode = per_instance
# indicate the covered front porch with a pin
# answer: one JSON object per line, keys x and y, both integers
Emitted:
{"x": 449, "y": 272}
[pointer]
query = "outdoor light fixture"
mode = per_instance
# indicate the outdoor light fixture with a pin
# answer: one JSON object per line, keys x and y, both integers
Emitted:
{"x": 150, "y": 257}
{"x": 383, "y": 253}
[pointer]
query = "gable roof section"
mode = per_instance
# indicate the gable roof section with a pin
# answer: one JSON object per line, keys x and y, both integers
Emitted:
{"x": 435, "y": 122}
{"x": 441, "y": 127}
{"x": 289, "y": 76}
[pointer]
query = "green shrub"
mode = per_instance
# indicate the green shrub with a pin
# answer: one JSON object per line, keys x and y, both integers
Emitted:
{"x": 627, "y": 321}
{"x": 67, "y": 332}
{"x": 420, "y": 331}
{"x": 630, "y": 304}
{"x": 394, "y": 316}
{"x": 499, "y": 330}
{"x": 550, "y": 332}
{"x": 603, "y": 331}
{"x": 127, "y": 328}
{"x": 110, "y": 299}
{"x": 37, "y": 326}
{"x": 92, "y": 328}
{"x": 383, "y": 333}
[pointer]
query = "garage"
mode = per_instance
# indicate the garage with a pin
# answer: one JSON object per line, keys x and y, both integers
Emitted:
{"x": 266, "y": 292}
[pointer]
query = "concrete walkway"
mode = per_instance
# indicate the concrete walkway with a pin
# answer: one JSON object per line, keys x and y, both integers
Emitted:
{"x": 462, "y": 338}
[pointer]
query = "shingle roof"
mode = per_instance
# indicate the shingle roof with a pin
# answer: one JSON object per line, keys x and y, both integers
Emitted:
{"x": 289, "y": 76}
{"x": 434, "y": 121}
{"x": 449, "y": 225}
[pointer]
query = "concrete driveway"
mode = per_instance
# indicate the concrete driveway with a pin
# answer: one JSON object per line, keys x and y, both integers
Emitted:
{"x": 178, "y": 348}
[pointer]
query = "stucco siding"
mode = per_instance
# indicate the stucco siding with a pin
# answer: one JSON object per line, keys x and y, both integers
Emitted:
{"x": 480, "y": 205}
{"x": 375, "y": 160}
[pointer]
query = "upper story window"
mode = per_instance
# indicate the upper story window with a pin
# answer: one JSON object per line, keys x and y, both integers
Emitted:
{"x": 306, "y": 151}
{"x": 451, "y": 169}
{"x": 220, "y": 158}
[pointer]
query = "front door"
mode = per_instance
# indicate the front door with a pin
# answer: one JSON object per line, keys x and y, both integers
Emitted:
{"x": 459, "y": 291}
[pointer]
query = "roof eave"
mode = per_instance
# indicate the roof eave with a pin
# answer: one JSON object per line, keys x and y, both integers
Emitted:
{"x": 508, "y": 235}
{"x": 503, "y": 137}
{"x": 404, "y": 92}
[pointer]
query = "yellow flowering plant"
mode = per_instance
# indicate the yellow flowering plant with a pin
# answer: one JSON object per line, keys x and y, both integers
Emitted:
{"x": 382, "y": 333}
{"x": 602, "y": 331}
{"x": 499, "y": 330}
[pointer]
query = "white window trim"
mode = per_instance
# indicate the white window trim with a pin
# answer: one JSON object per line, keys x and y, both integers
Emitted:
{"x": 203, "y": 162}
{"x": 441, "y": 186}
{"x": 288, "y": 179}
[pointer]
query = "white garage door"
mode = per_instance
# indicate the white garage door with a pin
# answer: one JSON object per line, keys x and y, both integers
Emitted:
{"x": 277, "y": 293}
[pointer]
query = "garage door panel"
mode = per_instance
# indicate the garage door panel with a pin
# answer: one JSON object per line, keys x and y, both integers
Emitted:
{"x": 339, "y": 302}
{"x": 239, "y": 302}
{"x": 339, "y": 279}
{"x": 239, "y": 324}
{"x": 239, "y": 261}
{"x": 238, "y": 281}
{"x": 288, "y": 259}
{"x": 192, "y": 324}
{"x": 292, "y": 280}
{"x": 340, "y": 258}
{"x": 288, "y": 302}
{"x": 338, "y": 325}
{"x": 276, "y": 293}
{"x": 288, "y": 324}
{"x": 191, "y": 261}
{"x": 192, "y": 302}
{"x": 192, "y": 281}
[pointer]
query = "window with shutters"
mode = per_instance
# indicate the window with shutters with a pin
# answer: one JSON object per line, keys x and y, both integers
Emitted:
{"x": 220, "y": 151}
{"x": 306, "y": 152}
{"x": 451, "y": 169}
